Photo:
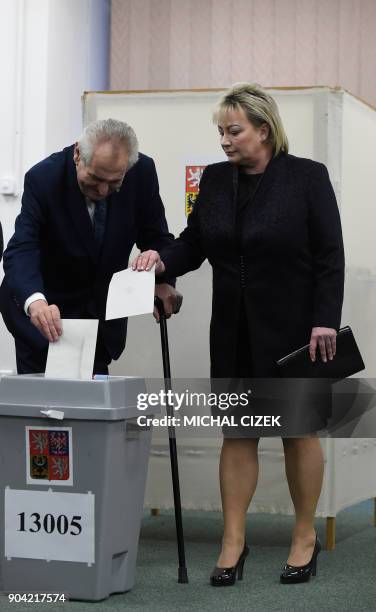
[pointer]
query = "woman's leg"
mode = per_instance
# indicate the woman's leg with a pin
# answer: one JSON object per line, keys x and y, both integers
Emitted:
{"x": 238, "y": 470}
{"x": 304, "y": 464}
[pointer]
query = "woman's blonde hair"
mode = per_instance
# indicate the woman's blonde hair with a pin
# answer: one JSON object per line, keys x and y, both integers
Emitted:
{"x": 259, "y": 108}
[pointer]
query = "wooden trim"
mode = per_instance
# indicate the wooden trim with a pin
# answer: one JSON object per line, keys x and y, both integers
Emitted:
{"x": 203, "y": 90}
{"x": 151, "y": 91}
{"x": 360, "y": 99}
{"x": 330, "y": 532}
{"x": 219, "y": 90}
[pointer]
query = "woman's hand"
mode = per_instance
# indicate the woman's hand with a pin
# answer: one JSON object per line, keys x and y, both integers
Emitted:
{"x": 325, "y": 339}
{"x": 146, "y": 260}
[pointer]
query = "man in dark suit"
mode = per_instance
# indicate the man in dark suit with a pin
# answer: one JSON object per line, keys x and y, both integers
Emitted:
{"x": 83, "y": 209}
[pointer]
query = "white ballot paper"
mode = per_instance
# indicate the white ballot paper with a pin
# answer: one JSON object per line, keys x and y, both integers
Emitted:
{"x": 130, "y": 293}
{"x": 72, "y": 356}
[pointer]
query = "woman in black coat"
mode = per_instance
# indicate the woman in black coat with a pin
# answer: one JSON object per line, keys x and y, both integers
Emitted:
{"x": 269, "y": 225}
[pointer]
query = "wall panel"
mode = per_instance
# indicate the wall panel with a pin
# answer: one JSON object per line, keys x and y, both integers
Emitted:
{"x": 193, "y": 44}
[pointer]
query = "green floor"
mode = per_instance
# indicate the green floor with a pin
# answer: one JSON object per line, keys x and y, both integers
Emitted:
{"x": 346, "y": 577}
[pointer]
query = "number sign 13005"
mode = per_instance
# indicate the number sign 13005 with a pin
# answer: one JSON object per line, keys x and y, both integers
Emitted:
{"x": 49, "y": 525}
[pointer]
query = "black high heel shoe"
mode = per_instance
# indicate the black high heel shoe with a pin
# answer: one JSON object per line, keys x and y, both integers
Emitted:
{"x": 292, "y": 574}
{"x": 226, "y": 576}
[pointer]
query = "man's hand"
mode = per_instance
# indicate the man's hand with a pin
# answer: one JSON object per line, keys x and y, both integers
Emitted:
{"x": 47, "y": 319}
{"x": 172, "y": 300}
{"x": 325, "y": 339}
{"x": 147, "y": 259}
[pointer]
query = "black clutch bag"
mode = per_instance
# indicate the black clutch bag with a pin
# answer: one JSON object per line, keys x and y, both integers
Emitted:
{"x": 346, "y": 362}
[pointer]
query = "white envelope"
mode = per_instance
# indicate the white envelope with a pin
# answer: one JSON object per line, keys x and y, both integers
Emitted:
{"x": 130, "y": 293}
{"x": 72, "y": 356}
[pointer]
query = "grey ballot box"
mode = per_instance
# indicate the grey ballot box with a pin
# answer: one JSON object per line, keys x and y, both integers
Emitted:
{"x": 73, "y": 471}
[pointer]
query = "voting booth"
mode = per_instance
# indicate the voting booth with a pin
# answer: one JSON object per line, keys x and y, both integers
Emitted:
{"x": 326, "y": 124}
{"x": 74, "y": 464}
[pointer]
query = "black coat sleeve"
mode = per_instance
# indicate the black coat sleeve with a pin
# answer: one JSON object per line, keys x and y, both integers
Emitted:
{"x": 152, "y": 230}
{"x": 327, "y": 250}
{"x": 1, "y": 242}
{"x": 22, "y": 265}
{"x": 186, "y": 252}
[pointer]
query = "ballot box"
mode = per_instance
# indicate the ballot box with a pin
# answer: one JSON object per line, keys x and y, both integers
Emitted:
{"x": 73, "y": 471}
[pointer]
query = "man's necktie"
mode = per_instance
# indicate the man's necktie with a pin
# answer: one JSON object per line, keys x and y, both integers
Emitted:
{"x": 99, "y": 221}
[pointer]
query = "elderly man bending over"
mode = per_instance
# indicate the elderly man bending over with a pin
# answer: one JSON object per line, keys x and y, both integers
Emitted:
{"x": 83, "y": 209}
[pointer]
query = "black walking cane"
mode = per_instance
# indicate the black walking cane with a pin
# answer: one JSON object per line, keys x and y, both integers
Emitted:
{"x": 182, "y": 571}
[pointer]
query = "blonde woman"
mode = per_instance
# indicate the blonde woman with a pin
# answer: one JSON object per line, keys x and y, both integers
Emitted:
{"x": 269, "y": 225}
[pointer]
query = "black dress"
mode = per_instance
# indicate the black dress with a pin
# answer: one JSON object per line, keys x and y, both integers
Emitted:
{"x": 247, "y": 187}
{"x": 275, "y": 397}
{"x": 278, "y": 261}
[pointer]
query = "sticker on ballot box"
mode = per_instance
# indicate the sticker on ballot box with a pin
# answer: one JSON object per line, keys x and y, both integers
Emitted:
{"x": 49, "y": 525}
{"x": 49, "y": 456}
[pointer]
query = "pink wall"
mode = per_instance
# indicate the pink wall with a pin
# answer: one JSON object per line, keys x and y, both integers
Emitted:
{"x": 212, "y": 43}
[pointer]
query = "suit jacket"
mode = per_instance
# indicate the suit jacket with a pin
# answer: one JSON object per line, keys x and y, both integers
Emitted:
{"x": 53, "y": 249}
{"x": 1, "y": 242}
{"x": 287, "y": 267}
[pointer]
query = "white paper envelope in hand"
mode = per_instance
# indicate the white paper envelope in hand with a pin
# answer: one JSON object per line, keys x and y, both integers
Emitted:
{"x": 72, "y": 356}
{"x": 130, "y": 293}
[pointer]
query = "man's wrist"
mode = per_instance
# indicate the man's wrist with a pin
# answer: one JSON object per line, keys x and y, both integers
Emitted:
{"x": 33, "y": 298}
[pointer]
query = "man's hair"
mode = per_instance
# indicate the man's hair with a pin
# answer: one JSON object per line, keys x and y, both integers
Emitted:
{"x": 259, "y": 107}
{"x": 104, "y": 130}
